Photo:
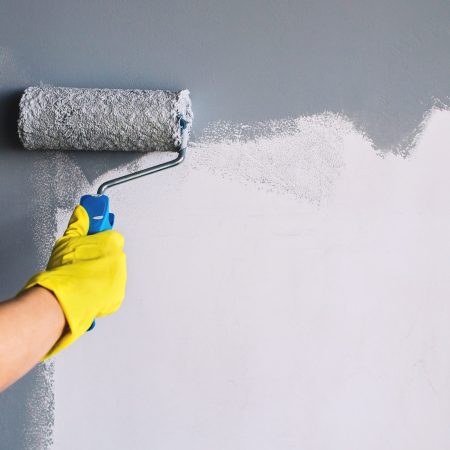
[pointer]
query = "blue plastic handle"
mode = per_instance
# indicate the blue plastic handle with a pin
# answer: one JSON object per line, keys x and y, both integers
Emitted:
{"x": 100, "y": 219}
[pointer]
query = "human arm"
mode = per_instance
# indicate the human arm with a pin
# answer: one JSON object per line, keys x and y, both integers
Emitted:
{"x": 85, "y": 277}
{"x": 30, "y": 325}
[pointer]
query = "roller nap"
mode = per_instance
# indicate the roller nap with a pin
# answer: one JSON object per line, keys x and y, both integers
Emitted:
{"x": 102, "y": 119}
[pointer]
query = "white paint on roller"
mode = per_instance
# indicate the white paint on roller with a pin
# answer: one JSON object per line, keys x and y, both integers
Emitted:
{"x": 102, "y": 119}
{"x": 254, "y": 320}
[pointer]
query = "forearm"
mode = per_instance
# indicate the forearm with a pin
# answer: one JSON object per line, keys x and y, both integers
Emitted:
{"x": 30, "y": 325}
{"x": 88, "y": 275}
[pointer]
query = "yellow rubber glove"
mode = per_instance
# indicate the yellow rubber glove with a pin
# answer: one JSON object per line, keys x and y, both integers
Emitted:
{"x": 87, "y": 274}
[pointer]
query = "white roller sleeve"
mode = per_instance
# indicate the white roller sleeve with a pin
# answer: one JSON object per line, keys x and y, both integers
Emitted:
{"x": 103, "y": 119}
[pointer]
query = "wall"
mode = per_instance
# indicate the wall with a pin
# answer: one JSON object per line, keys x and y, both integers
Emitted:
{"x": 287, "y": 285}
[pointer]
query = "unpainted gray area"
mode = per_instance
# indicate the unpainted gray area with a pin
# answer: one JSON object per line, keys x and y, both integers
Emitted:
{"x": 381, "y": 63}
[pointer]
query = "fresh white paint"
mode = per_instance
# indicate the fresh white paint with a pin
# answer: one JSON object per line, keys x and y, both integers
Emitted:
{"x": 262, "y": 320}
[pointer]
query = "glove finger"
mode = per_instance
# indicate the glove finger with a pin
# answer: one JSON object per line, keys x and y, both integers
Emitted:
{"x": 114, "y": 241}
{"x": 78, "y": 223}
{"x": 119, "y": 277}
{"x": 110, "y": 241}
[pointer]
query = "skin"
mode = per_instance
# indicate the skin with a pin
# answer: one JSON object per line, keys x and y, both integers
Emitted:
{"x": 30, "y": 324}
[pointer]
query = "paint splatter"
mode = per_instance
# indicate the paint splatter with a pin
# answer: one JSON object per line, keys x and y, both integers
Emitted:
{"x": 41, "y": 409}
{"x": 299, "y": 157}
{"x": 58, "y": 183}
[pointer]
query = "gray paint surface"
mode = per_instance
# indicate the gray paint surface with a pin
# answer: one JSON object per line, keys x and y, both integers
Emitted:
{"x": 383, "y": 64}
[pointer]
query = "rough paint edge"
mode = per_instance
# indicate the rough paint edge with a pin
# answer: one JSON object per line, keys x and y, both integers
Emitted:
{"x": 41, "y": 410}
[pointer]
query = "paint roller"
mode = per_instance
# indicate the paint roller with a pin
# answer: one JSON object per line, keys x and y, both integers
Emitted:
{"x": 58, "y": 118}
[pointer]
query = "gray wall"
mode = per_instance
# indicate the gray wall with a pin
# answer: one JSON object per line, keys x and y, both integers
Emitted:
{"x": 383, "y": 64}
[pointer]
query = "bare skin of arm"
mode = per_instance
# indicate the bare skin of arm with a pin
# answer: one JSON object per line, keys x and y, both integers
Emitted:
{"x": 30, "y": 325}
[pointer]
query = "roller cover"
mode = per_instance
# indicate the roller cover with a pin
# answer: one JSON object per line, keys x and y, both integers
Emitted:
{"x": 102, "y": 119}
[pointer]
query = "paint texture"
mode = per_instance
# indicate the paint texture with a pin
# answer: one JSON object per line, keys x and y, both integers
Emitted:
{"x": 300, "y": 157}
{"x": 58, "y": 118}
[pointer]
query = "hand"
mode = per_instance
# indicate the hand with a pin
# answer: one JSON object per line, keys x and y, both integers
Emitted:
{"x": 87, "y": 275}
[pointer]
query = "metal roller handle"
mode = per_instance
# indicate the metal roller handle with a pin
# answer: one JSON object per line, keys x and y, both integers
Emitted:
{"x": 142, "y": 173}
{"x": 97, "y": 206}
{"x": 166, "y": 165}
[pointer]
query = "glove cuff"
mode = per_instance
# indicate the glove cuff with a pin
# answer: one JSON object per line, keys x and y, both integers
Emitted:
{"x": 72, "y": 331}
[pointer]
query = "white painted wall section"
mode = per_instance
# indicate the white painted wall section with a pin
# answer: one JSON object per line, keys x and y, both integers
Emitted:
{"x": 263, "y": 319}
